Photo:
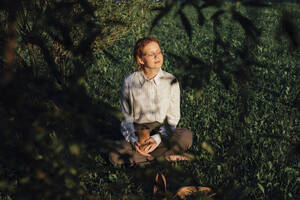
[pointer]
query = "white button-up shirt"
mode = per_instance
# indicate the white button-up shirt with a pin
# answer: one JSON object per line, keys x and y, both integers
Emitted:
{"x": 146, "y": 101}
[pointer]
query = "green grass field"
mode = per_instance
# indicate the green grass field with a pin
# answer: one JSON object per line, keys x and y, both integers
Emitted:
{"x": 244, "y": 134}
{"x": 240, "y": 95}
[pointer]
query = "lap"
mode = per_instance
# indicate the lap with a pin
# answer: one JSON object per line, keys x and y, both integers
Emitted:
{"x": 180, "y": 140}
{"x": 125, "y": 153}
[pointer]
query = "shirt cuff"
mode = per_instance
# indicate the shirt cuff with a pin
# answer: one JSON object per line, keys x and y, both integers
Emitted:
{"x": 172, "y": 128}
{"x": 164, "y": 131}
{"x": 133, "y": 139}
{"x": 130, "y": 137}
{"x": 127, "y": 129}
{"x": 157, "y": 138}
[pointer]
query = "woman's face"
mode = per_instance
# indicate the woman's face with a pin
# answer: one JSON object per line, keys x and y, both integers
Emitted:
{"x": 152, "y": 57}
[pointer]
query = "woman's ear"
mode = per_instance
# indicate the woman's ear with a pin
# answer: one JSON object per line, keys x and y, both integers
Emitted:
{"x": 140, "y": 60}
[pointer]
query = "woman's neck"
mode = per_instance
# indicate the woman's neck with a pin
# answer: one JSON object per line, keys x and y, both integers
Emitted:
{"x": 150, "y": 73}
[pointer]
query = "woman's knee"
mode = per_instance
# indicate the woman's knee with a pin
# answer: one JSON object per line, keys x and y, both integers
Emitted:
{"x": 185, "y": 137}
{"x": 114, "y": 158}
{"x": 117, "y": 155}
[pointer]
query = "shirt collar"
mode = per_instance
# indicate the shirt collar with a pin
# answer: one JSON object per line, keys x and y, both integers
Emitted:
{"x": 143, "y": 79}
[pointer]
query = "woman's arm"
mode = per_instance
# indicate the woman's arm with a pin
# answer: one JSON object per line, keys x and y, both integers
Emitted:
{"x": 173, "y": 113}
{"x": 127, "y": 128}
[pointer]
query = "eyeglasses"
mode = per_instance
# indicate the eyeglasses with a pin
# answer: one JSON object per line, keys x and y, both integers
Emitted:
{"x": 153, "y": 55}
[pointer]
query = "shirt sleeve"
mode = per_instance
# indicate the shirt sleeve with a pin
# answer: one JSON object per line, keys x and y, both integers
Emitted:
{"x": 163, "y": 130}
{"x": 157, "y": 138}
{"x": 173, "y": 113}
{"x": 127, "y": 128}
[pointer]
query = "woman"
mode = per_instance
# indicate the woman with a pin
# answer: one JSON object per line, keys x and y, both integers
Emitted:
{"x": 151, "y": 99}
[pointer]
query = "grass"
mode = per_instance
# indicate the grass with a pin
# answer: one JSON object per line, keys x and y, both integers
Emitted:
{"x": 248, "y": 158}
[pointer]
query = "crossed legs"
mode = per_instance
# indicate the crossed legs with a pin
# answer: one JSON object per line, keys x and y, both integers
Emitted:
{"x": 170, "y": 148}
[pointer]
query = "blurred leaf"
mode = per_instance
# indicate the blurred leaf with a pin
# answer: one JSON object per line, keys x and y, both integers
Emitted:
{"x": 3, "y": 185}
{"x": 179, "y": 59}
{"x": 84, "y": 47}
{"x": 25, "y": 180}
{"x": 261, "y": 188}
{"x": 207, "y": 147}
{"x": 74, "y": 149}
{"x": 210, "y": 3}
{"x": 216, "y": 16}
{"x": 220, "y": 72}
{"x": 69, "y": 183}
{"x": 59, "y": 29}
{"x": 290, "y": 28}
{"x": 87, "y": 6}
{"x": 73, "y": 171}
{"x": 163, "y": 12}
{"x": 247, "y": 25}
{"x": 186, "y": 24}
{"x": 255, "y": 3}
{"x": 201, "y": 18}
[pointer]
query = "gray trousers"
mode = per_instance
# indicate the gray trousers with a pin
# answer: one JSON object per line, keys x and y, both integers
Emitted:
{"x": 179, "y": 141}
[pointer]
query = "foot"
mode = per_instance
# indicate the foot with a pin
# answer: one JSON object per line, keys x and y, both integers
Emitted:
{"x": 188, "y": 190}
{"x": 173, "y": 158}
{"x": 160, "y": 184}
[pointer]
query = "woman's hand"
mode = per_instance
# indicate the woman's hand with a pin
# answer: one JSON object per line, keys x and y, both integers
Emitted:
{"x": 152, "y": 144}
{"x": 137, "y": 148}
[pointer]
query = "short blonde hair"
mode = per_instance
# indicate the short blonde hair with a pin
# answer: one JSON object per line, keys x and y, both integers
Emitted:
{"x": 138, "y": 49}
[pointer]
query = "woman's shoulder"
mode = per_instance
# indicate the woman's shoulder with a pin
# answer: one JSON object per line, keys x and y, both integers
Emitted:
{"x": 167, "y": 74}
{"x": 132, "y": 77}
{"x": 168, "y": 77}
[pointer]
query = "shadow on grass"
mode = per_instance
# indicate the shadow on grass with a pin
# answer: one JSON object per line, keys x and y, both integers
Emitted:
{"x": 51, "y": 136}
